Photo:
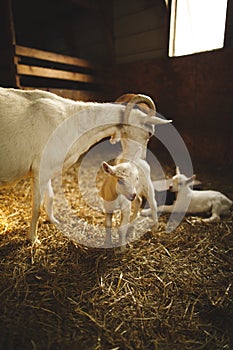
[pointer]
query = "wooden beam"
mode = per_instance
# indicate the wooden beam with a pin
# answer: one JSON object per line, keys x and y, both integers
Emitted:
{"x": 7, "y": 42}
{"x": 54, "y": 74}
{"x": 52, "y": 57}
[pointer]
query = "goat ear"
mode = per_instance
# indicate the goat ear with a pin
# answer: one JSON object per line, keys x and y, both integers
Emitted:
{"x": 156, "y": 120}
{"x": 177, "y": 170}
{"x": 107, "y": 168}
{"x": 115, "y": 137}
{"x": 191, "y": 179}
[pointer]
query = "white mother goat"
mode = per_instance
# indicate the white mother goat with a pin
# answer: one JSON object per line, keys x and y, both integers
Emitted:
{"x": 29, "y": 120}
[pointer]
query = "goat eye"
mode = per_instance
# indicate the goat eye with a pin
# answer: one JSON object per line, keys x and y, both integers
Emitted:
{"x": 120, "y": 181}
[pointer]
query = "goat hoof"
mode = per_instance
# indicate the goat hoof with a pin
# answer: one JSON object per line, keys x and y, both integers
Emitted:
{"x": 210, "y": 220}
{"x": 120, "y": 250}
{"x": 52, "y": 221}
{"x": 33, "y": 241}
{"x": 123, "y": 248}
{"x": 154, "y": 228}
{"x": 36, "y": 242}
{"x": 107, "y": 244}
{"x": 55, "y": 221}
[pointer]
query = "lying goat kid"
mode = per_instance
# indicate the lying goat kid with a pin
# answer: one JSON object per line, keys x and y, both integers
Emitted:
{"x": 200, "y": 201}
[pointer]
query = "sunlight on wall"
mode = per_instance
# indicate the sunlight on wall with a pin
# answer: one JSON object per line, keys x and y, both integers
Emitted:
{"x": 196, "y": 26}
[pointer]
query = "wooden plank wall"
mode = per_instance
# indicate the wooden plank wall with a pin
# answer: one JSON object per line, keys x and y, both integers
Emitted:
{"x": 139, "y": 29}
{"x": 27, "y": 67}
{"x": 71, "y": 27}
{"x": 7, "y": 41}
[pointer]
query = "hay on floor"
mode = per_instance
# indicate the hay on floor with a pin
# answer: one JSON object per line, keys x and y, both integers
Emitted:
{"x": 167, "y": 291}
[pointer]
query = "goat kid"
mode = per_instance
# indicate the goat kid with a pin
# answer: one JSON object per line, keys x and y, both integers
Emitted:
{"x": 198, "y": 201}
{"x": 119, "y": 189}
{"x": 30, "y": 119}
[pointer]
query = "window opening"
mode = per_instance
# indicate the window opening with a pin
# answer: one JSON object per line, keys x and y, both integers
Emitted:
{"x": 196, "y": 26}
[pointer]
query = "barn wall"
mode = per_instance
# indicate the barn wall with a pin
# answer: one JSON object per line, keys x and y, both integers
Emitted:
{"x": 65, "y": 27}
{"x": 229, "y": 25}
{"x": 195, "y": 91}
{"x": 139, "y": 29}
{"x": 75, "y": 28}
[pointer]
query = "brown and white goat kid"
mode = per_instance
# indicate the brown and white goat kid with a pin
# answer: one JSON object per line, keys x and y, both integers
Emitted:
{"x": 198, "y": 202}
{"x": 37, "y": 129}
{"x": 119, "y": 190}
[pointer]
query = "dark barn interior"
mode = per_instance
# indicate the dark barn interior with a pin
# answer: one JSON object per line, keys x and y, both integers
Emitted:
{"x": 168, "y": 291}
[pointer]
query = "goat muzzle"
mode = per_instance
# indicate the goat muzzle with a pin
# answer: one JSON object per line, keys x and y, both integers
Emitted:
{"x": 132, "y": 197}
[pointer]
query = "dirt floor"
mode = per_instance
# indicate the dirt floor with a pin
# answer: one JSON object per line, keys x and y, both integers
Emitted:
{"x": 166, "y": 291}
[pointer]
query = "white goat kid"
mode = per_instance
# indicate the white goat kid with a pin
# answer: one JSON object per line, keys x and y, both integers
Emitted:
{"x": 29, "y": 119}
{"x": 199, "y": 201}
{"x": 119, "y": 189}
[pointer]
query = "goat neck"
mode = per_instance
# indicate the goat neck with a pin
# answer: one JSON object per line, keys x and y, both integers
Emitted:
{"x": 129, "y": 146}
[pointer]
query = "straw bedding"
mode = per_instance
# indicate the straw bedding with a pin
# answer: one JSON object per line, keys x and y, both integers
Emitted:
{"x": 167, "y": 291}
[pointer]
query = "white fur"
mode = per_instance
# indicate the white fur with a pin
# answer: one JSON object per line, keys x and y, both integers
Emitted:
{"x": 199, "y": 201}
{"x": 28, "y": 119}
{"x": 145, "y": 188}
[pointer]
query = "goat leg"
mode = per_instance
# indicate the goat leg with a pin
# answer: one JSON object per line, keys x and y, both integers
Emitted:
{"x": 125, "y": 218}
{"x": 153, "y": 205}
{"x": 48, "y": 202}
{"x": 108, "y": 226}
{"x": 36, "y": 204}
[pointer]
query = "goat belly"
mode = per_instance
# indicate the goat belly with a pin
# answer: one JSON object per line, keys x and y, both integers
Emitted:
{"x": 200, "y": 203}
